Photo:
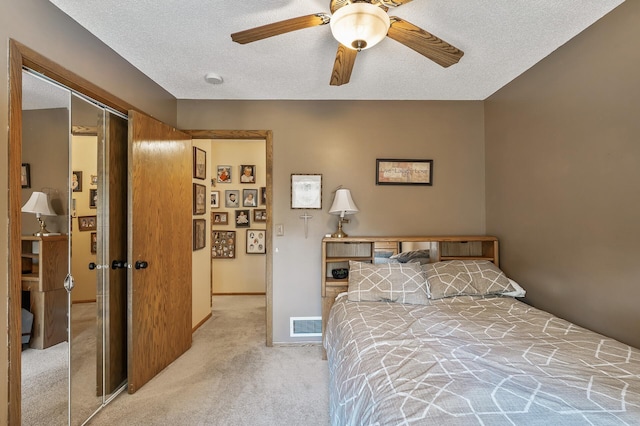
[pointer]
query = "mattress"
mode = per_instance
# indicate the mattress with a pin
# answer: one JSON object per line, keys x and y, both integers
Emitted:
{"x": 472, "y": 360}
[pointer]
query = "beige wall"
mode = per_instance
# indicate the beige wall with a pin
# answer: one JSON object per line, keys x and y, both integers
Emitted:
{"x": 42, "y": 27}
{"x": 201, "y": 259}
{"x": 245, "y": 273}
{"x": 563, "y": 175}
{"x": 341, "y": 141}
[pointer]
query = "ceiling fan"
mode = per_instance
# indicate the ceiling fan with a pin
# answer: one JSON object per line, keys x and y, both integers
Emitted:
{"x": 359, "y": 25}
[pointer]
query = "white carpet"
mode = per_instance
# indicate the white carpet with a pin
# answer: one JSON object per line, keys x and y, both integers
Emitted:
{"x": 229, "y": 377}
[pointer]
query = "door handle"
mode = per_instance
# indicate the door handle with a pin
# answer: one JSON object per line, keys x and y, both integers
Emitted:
{"x": 118, "y": 264}
{"x": 92, "y": 266}
{"x": 141, "y": 264}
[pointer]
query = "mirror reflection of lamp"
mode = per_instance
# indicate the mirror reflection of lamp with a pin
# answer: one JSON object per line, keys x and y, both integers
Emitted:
{"x": 39, "y": 204}
{"x": 342, "y": 205}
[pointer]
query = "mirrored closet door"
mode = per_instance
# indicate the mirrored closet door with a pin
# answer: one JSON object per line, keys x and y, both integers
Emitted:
{"x": 90, "y": 210}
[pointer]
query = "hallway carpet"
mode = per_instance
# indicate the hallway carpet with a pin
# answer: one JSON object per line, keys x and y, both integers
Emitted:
{"x": 229, "y": 377}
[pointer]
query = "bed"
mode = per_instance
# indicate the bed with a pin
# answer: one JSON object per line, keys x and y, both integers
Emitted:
{"x": 442, "y": 343}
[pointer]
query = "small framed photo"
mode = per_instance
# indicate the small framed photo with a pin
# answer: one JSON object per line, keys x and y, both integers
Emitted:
{"x": 231, "y": 198}
{"x": 199, "y": 234}
{"x": 223, "y": 244}
{"x": 223, "y": 174}
{"x": 93, "y": 198}
{"x": 94, "y": 242}
{"x": 87, "y": 223}
{"x": 249, "y": 198}
{"x": 25, "y": 175}
{"x": 259, "y": 215}
{"x": 215, "y": 199}
{"x": 199, "y": 195}
{"x": 247, "y": 173}
{"x": 76, "y": 181}
{"x": 263, "y": 196}
{"x": 242, "y": 219}
{"x": 256, "y": 241}
{"x": 94, "y": 180}
{"x": 404, "y": 172}
{"x": 199, "y": 163}
{"x": 219, "y": 218}
{"x": 306, "y": 191}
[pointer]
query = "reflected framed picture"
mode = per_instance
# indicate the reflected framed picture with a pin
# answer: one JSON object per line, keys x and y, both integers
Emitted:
{"x": 223, "y": 244}
{"x": 306, "y": 191}
{"x": 221, "y": 218}
{"x": 87, "y": 223}
{"x": 199, "y": 163}
{"x": 247, "y": 173}
{"x": 199, "y": 196}
{"x": 94, "y": 242}
{"x": 249, "y": 197}
{"x": 25, "y": 175}
{"x": 404, "y": 172}
{"x": 199, "y": 234}
{"x": 76, "y": 181}
{"x": 256, "y": 241}
{"x": 263, "y": 195}
{"x": 231, "y": 198}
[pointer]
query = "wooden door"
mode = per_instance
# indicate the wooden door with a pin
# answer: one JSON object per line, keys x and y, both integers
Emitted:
{"x": 112, "y": 169}
{"x": 159, "y": 291}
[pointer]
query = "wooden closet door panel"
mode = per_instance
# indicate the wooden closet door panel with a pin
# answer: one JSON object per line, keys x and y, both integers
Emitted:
{"x": 115, "y": 231}
{"x": 159, "y": 296}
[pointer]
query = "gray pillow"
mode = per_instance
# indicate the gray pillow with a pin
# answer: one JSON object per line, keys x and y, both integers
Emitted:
{"x": 388, "y": 282}
{"x": 465, "y": 278}
{"x": 406, "y": 256}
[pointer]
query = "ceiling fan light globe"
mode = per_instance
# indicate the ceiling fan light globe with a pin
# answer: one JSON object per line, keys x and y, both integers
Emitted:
{"x": 359, "y": 25}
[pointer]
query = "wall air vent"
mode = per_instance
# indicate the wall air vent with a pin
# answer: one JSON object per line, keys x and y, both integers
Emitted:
{"x": 305, "y": 326}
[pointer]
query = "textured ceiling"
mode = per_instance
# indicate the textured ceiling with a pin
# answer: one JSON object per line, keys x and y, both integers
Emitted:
{"x": 176, "y": 42}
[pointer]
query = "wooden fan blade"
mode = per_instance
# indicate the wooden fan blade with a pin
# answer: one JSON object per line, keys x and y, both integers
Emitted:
{"x": 395, "y": 3}
{"x": 342, "y": 67}
{"x": 426, "y": 44}
{"x": 282, "y": 27}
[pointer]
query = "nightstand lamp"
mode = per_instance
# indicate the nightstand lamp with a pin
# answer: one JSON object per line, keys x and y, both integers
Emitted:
{"x": 39, "y": 204}
{"x": 342, "y": 205}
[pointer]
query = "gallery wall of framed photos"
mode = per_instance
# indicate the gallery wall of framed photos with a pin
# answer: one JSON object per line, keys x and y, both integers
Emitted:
{"x": 238, "y": 216}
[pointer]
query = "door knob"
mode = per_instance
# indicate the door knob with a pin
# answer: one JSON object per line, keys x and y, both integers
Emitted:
{"x": 92, "y": 266}
{"x": 118, "y": 264}
{"x": 141, "y": 264}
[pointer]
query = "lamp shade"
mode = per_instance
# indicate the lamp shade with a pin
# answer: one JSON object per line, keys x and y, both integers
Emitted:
{"x": 359, "y": 25}
{"x": 343, "y": 203}
{"x": 38, "y": 203}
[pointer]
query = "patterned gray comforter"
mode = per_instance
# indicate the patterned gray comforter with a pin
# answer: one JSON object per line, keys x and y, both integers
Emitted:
{"x": 465, "y": 361}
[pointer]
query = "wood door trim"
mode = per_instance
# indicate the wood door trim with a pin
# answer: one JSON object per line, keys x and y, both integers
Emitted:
{"x": 267, "y": 135}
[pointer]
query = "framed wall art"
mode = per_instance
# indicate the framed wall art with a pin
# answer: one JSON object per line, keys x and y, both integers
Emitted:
{"x": 247, "y": 173}
{"x": 87, "y": 223}
{"x": 199, "y": 234}
{"x": 215, "y": 199}
{"x": 404, "y": 172}
{"x": 256, "y": 241}
{"x": 199, "y": 163}
{"x": 231, "y": 198}
{"x": 263, "y": 195}
{"x": 25, "y": 175}
{"x": 223, "y": 174}
{"x": 306, "y": 191}
{"x": 242, "y": 219}
{"x": 199, "y": 196}
{"x": 76, "y": 181}
{"x": 93, "y": 198}
{"x": 223, "y": 244}
{"x": 259, "y": 215}
{"x": 221, "y": 218}
{"x": 94, "y": 242}
{"x": 249, "y": 197}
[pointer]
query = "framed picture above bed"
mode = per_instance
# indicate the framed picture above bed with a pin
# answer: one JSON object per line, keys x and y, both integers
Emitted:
{"x": 404, "y": 172}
